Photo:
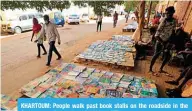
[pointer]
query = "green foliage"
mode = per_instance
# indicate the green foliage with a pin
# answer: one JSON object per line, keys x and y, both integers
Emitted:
{"x": 38, "y": 5}
{"x": 131, "y": 5}
{"x": 99, "y": 6}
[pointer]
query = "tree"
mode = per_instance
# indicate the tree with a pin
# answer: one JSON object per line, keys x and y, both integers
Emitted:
{"x": 38, "y": 5}
{"x": 99, "y": 6}
{"x": 131, "y": 5}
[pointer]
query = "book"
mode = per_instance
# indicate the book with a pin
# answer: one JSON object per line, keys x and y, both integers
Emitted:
{"x": 113, "y": 93}
{"x": 5, "y": 99}
{"x": 116, "y": 77}
{"x": 92, "y": 90}
{"x": 61, "y": 67}
{"x": 70, "y": 77}
{"x": 48, "y": 94}
{"x": 105, "y": 79}
{"x": 9, "y": 105}
{"x": 99, "y": 95}
{"x": 64, "y": 93}
{"x": 130, "y": 95}
{"x": 53, "y": 72}
{"x": 73, "y": 73}
{"x": 80, "y": 79}
{"x": 82, "y": 95}
{"x": 84, "y": 75}
{"x": 96, "y": 75}
{"x": 73, "y": 95}
{"x": 124, "y": 85}
{"x": 79, "y": 68}
{"x": 109, "y": 74}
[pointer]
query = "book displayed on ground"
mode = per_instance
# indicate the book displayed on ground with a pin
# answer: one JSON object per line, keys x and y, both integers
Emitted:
{"x": 116, "y": 51}
{"x": 7, "y": 103}
{"x": 98, "y": 84}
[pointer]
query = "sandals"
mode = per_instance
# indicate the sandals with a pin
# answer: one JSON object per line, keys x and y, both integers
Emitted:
{"x": 166, "y": 73}
{"x": 156, "y": 74}
{"x": 169, "y": 75}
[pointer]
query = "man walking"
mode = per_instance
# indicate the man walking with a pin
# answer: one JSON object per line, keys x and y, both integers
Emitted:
{"x": 163, "y": 34}
{"x": 127, "y": 17}
{"x": 99, "y": 22}
{"x": 51, "y": 33}
{"x": 115, "y": 18}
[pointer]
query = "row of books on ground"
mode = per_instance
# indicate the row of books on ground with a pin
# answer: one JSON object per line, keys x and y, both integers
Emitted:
{"x": 114, "y": 51}
{"x": 73, "y": 81}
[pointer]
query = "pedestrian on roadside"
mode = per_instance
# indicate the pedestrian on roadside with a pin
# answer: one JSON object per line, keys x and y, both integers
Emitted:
{"x": 115, "y": 18}
{"x": 39, "y": 39}
{"x": 99, "y": 21}
{"x": 165, "y": 32}
{"x": 127, "y": 17}
{"x": 52, "y": 34}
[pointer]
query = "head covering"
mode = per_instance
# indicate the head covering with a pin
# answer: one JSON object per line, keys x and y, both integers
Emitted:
{"x": 35, "y": 21}
{"x": 36, "y": 26}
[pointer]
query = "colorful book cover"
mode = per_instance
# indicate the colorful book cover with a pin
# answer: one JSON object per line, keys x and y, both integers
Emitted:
{"x": 5, "y": 99}
{"x": 105, "y": 79}
{"x": 61, "y": 67}
{"x": 126, "y": 78}
{"x": 10, "y": 104}
{"x": 99, "y": 95}
{"x": 69, "y": 83}
{"x": 79, "y": 68}
{"x": 109, "y": 74}
{"x": 73, "y": 95}
{"x": 73, "y": 73}
{"x": 96, "y": 75}
{"x": 48, "y": 94}
{"x": 120, "y": 89}
{"x": 70, "y": 77}
{"x": 116, "y": 77}
{"x": 84, "y": 75}
{"x": 92, "y": 90}
{"x": 130, "y": 95}
{"x": 64, "y": 93}
{"x": 52, "y": 72}
{"x": 111, "y": 93}
{"x": 82, "y": 95}
{"x": 80, "y": 79}
{"x": 56, "y": 89}
{"x": 124, "y": 85}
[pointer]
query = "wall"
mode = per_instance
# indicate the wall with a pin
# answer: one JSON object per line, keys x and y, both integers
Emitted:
{"x": 183, "y": 11}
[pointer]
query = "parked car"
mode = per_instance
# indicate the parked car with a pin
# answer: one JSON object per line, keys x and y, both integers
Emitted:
{"x": 132, "y": 16}
{"x": 23, "y": 22}
{"x": 74, "y": 18}
{"x": 93, "y": 17}
{"x": 3, "y": 25}
{"x": 57, "y": 18}
{"x": 84, "y": 18}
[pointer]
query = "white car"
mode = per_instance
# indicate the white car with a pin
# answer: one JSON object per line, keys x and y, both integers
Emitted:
{"x": 85, "y": 18}
{"x": 74, "y": 18}
{"x": 132, "y": 16}
{"x": 23, "y": 22}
